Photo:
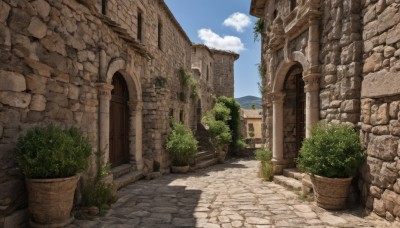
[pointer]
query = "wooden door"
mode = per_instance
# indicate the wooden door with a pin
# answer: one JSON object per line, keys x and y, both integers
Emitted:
{"x": 119, "y": 122}
{"x": 300, "y": 112}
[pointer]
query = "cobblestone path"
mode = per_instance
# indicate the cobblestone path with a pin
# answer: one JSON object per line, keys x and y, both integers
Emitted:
{"x": 228, "y": 195}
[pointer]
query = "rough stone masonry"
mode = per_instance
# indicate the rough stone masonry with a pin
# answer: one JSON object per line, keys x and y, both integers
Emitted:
{"x": 59, "y": 60}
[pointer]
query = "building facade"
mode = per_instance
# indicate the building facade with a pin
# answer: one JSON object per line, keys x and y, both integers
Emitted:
{"x": 336, "y": 61}
{"x": 110, "y": 68}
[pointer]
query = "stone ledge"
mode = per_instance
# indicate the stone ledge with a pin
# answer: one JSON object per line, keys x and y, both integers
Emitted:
{"x": 380, "y": 84}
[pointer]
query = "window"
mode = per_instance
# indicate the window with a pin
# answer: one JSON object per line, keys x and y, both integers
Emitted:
{"x": 104, "y": 7}
{"x": 181, "y": 117}
{"x": 293, "y": 4}
{"x": 275, "y": 13}
{"x": 208, "y": 73}
{"x": 251, "y": 127}
{"x": 159, "y": 34}
{"x": 171, "y": 113}
{"x": 139, "y": 25}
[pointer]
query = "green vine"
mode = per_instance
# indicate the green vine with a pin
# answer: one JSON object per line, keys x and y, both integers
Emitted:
{"x": 261, "y": 74}
{"x": 189, "y": 82}
{"x": 258, "y": 29}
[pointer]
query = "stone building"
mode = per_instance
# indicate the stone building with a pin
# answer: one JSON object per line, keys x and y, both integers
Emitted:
{"x": 108, "y": 67}
{"x": 336, "y": 61}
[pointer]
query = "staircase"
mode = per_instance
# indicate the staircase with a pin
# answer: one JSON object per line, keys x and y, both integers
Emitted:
{"x": 294, "y": 180}
{"x": 125, "y": 175}
{"x": 206, "y": 157}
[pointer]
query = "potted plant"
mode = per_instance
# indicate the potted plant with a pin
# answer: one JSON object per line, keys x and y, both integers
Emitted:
{"x": 332, "y": 156}
{"x": 221, "y": 137}
{"x": 182, "y": 146}
{"x": 50, "y": 158}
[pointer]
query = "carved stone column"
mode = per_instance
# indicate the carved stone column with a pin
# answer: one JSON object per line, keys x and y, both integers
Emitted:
{"x": 277, "y": 144}
{"x": 104, "y": 96}
{"x": 137, "y": 116}
{"x": 312, "y": 101}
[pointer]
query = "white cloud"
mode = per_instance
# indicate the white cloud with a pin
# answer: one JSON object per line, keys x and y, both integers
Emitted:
{"x": 227, "y": 43}
{"x": 238, "y": 21}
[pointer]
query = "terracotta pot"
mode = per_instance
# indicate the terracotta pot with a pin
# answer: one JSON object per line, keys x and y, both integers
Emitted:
{"x": 180, "y": 169}
{"x": 51, "y": 200}
{"x": 331, "y": 193}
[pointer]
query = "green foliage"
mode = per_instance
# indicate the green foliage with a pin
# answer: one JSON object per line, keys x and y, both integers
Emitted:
{"x": 258, "y": 29}
{"x": 234, "y": 121}
{"x": 333, "y": 150}
{"x": 181, "y": 144}
{"x": 240, "y": 144}
{"x": 261, "y": 74}
{"x": 161, "y": 82}
{"x": 221, "y": 112}
{"x": 189, "y": 82}
{"x": 52, "y": 152}
{"x": 220, "y": 132}
{"x": 98, "y": 194}
{"x": 265, "y": 157}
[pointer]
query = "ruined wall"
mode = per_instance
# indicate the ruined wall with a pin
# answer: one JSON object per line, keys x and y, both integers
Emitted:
{"x": 224, "y": 73}
{"x": 380, "y": 99}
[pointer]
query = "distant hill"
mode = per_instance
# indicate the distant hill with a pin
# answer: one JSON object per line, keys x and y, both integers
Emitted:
{"x": 247, "y": 101}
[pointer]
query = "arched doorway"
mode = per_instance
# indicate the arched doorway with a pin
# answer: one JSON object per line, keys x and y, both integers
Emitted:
{"x": 119, "y": 122}
{"x": 294, "y": 114}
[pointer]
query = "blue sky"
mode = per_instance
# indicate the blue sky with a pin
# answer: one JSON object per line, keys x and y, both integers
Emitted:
{"x": 203, "y": 21}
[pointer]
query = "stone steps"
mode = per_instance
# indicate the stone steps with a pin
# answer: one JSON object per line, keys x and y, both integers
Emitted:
{"x": 206, "y": 163}
{"x": 295, "y": 180}
{"x": 124, "y": 175}
{"x": 204, "y": 155}
{"x": 288, "y": 182}
{"x": 127, "y": 179}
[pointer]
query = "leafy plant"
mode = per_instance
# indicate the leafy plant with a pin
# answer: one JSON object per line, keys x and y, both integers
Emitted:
{"x": 333, "y": 150}
{"x": 258, "y": 29}
{"x": 219, "y": 132}
{"x": 261, "y": 75}
{"x": 181, "y": 144}
{"x": 189, "y": 82}
{"x": 98, "y": 194}
{"x": 52, "y": 152}
{"x": 266, "y": 167}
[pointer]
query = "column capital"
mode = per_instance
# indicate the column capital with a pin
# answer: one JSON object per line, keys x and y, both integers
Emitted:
{"x": 277, "y": 97}
{"x": 104, "y": 90}
{"x": 136, "y": 105}
{"x": 312, "y": 82}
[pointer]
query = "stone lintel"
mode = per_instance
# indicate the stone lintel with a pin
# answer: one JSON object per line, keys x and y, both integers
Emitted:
{"x": 380, "y": 84}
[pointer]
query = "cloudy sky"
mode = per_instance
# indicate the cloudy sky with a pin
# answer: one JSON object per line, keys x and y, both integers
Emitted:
{"x": 226, "y": 25}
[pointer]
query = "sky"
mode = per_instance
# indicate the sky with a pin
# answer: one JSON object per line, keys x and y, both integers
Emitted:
{"x": 225, "y": 25}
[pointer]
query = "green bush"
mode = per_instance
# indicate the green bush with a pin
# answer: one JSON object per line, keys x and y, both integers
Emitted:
{"x": 98, "y": 194}
{"x": 219, "y": 131}
{"x": 333, "y": 150}
{"x": 265, "y": 157}
{"x": 181, "y": 145}
{"x": 52, "y": 152}
{"x": 221, "y": 112}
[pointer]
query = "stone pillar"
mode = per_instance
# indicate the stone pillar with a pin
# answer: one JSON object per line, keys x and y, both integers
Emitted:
{"x": 313, "y": 44}
{"x": 277, "y": 144}
{"x": 139, "y": 135}
{"x": 312, "y": 101}
{"x": 104, "y": 95}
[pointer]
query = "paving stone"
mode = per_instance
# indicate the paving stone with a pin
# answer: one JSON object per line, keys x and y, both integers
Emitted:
{"x": 219, "y": 196}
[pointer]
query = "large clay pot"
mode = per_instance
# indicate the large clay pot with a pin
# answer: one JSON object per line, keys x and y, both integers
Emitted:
{"x": 51, "y": 200}
{"x": 331, "y": 193}
{"x": 180, "y": 169}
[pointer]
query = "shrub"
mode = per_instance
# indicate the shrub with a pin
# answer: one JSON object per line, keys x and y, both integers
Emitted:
{"x": 258, "y": 29}
{"x": 181, "y": 144}
{"x": 51, "y": 152}
{"x": 333, "y": 150}
{"x": 98, "y": 194}
{"x": 220, "y": 132}
{"x": 266, "y": 167}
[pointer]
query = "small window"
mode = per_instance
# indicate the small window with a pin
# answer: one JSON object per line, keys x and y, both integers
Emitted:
{"x": 104, "y": 7}
{"x": 293, "y": 4}
{"x": 139, "y": 25}
{"x": 181, "y": 116}
{"x": 251, "y": 127}
{"x": 208, "y": 73}
{"x": 159, "y": 34}
{"x": 171, "y": 113}
{"x": 275, "y": 14}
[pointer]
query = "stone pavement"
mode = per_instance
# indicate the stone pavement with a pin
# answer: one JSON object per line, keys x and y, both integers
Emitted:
{"x": 228, "y": 195}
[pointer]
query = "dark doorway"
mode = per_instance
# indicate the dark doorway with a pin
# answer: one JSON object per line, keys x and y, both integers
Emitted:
{"x": 119, "y": 122}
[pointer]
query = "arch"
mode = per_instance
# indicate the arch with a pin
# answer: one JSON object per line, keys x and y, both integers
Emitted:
{"x": 132, "y": 81}
{"x": 284, "y": 67}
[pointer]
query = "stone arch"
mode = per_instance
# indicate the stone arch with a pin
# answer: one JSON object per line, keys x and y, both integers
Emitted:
{"x": 135, "y": 105}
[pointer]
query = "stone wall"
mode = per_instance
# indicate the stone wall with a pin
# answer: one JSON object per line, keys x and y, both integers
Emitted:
{"x": 223, "y": 67}
{"x": 380, "y": 99}
{"x": 57, "y": 59}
